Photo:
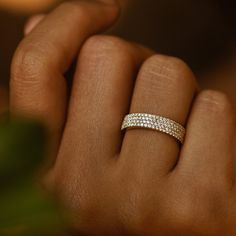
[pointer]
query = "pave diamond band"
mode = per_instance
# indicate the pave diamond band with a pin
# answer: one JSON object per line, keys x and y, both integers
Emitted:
{"x": 154, "y": 122}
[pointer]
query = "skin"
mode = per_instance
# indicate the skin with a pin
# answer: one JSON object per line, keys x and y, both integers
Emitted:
{"x": 140, "y": 182}
{"x": 25, "y": 6}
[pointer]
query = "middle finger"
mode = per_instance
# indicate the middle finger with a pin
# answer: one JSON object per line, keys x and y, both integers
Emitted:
{"x": 102, "y": 88}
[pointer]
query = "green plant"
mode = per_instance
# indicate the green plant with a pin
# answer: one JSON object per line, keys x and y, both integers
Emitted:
{"x": 24, "y": 209}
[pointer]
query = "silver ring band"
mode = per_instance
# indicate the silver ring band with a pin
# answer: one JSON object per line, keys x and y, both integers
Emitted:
{"x": 154, "y": 122}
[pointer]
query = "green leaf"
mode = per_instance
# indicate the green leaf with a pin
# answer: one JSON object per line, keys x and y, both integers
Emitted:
{"x": 22, "y": 147}
{"x": 25, "y": 211}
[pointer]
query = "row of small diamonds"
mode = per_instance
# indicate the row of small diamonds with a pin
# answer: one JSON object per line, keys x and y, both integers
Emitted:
{"x": 168, "y": 130}
{"x": 153, "y": 118}
{"x": 148, "y": 117}
{"x": 154, "y": 122}
{"x": 152, "y": 125}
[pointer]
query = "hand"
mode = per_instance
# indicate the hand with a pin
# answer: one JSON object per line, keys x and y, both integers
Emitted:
{"x": 143, "y": 182}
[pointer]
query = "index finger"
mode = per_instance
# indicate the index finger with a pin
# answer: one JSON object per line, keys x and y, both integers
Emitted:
{"x": 38, "y": 88}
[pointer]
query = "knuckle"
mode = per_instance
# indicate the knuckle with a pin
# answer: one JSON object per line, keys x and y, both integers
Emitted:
{"x": 27, "y": 64}
{"x": 79, "y": 7}
{"x": 107, "y": 48}
{"x": 188, "y": 207}
{"x": 80, "y": 10}
{"x": 215, "y": 101}
{"x": 185, "y": 213}
{"x": 74, "y": 7}
{"x": 167, "y": 70}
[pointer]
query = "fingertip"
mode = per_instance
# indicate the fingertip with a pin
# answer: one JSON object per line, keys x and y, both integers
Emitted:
{"x": 114, "y": 6}
{"x": 32, "y": 23}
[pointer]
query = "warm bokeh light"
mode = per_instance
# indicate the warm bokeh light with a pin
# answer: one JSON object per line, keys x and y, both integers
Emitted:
{"x": 26, "y": 6}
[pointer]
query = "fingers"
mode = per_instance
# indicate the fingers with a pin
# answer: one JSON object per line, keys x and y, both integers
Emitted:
{"x": 209, "y": 144}
{"x": 38, "y": 87}
{"x": 101, "y": 94}
{"x": 32, "y": 23}
{"x": 165, "y": 86}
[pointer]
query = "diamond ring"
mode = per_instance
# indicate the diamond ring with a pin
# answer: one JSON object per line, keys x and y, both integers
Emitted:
{"x": 154, "y": 122}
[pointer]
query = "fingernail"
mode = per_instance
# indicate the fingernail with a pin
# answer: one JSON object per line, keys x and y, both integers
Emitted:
{"x": 32, "y": 23}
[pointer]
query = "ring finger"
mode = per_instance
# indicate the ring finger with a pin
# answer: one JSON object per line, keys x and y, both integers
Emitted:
{"x": 165, "y": 86}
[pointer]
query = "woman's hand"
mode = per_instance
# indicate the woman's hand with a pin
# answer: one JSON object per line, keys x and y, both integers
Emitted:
{"x": 143, "y": 182}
